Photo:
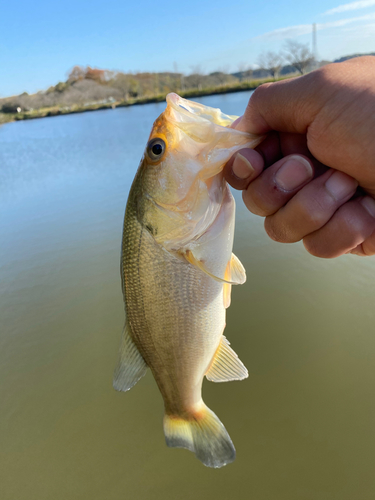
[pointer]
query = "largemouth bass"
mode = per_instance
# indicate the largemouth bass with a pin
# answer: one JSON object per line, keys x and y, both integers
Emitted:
{"x": 177, "y": 271}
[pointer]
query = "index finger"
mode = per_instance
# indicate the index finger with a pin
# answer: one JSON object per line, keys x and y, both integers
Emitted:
{"x": 285, "y": 106}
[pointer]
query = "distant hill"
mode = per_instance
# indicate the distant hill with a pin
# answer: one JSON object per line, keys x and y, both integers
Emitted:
{"x": 87, "y": 87}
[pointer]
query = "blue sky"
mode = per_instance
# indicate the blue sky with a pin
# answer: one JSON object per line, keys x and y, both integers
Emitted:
{"x": 40, "y": 41}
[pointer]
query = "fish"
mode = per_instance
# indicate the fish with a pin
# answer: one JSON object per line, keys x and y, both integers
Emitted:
{"x": 177, "y": 270}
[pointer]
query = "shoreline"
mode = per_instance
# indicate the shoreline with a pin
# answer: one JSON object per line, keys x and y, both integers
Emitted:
{"x": 64, "y": 110}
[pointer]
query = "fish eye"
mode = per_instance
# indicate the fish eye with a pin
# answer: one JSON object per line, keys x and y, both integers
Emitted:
{"x": 156, "y": 149}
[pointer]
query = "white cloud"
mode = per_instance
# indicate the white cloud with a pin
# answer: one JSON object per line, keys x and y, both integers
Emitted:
{"x": 362, "y": 31}
{"x": 282, "y": 33}
{"x": 303, "y": 29}
{"x": 344, "y": 22}
{"x": 361, "y": 4}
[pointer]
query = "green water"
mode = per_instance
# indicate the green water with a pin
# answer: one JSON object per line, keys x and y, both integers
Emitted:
{"x": 302, "y": 423}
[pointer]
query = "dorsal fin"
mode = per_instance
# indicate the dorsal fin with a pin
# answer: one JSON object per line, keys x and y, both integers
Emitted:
{"x": 226, "y": 365}
{"x": 131, "y": 366}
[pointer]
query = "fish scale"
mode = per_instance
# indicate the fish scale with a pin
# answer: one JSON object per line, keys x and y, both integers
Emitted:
{"x": 178, "y": 313}
{"x": 177, "y": 270}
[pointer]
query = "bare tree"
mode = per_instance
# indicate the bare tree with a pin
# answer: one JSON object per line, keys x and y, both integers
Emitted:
{"x": 121, "y": 81}
{"x": 298, "y": 55}
{"x": 244, "y": 71}
{"x": 196, "y": 77}
{"x": 272, "y": 62}
{"x": 221, "y": 75}
{"x": 77, "y": 73}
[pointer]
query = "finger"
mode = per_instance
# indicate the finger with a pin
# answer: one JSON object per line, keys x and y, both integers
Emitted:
{"x": 291, "y": 105}
{"x": 243, "y": 167}
{"x": 277, "y": 185}
{"x": 311, "y": 207}
{"x": 236, "y": 122}
{"x": 349, "y": 227}
{"x": 276, "y": 145}
{"x": 288, "y": 106}
{"x": 270, "y": 148}
{"x": 366, "y": 248}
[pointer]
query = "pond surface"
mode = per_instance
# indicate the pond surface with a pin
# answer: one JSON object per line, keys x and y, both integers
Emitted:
{"x": 302, "y": 423}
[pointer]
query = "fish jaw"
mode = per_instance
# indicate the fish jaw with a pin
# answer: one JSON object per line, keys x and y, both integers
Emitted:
{"x": 185, "y": 187}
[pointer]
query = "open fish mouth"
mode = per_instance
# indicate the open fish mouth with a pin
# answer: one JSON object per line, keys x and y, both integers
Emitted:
{"x": 209, "y": 128}
{"x": 194, "y": 111}
{"x": 190, "y": 183}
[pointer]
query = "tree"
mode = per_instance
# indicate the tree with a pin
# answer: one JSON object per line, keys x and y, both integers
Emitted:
{"x": 272, "y": 62}
{"x": 244, "y": 72}
{"x": 298, "y": 55}
{"x": 77, "y": 73}
{"x": 196, "y": 77}
{"x": 121, "y": 81}
{"x": 98, "y": 75}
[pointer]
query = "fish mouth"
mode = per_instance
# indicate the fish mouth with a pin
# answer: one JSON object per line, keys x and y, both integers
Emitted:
{"x": 211, "y": 132}
{"x": 196, "y": 111}
{"x": 200, "y": 142}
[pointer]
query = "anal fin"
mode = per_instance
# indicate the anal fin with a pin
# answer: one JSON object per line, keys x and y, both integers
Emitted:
{"x": 226, "y": 365}
{"x": 131, "y": 366}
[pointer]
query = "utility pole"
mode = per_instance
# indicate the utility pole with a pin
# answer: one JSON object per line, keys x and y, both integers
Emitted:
{"x": 314, "y": 50}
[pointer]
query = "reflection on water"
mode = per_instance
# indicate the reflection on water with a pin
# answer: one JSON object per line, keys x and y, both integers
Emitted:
{"x": 303, "y": 421}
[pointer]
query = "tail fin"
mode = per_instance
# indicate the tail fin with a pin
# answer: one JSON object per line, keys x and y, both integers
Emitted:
{"x": 203, "y": 434}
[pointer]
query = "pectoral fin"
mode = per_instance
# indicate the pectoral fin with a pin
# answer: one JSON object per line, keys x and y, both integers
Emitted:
{"x": 234, "y": 272}
{"x": 237, "y": 271}
{"x": 226, "y": 365}
{"x": 131, "y": 366}
{"x": 234, "y": 275}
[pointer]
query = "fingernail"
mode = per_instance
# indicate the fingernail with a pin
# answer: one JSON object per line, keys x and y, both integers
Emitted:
{"x": 369, "y": 204}
{"x": 340, "y": 185}
{"x": 294, "y": 172}
{"x": 242, "y": 168}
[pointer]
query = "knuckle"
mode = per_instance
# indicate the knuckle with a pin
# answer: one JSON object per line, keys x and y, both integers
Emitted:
{"x": 368, "y": 248}
{"x": 276, "y": 231}
{"x": 314, "y": 247}
{"x": 314, "y": 214}
{"x": 259, "y": 93}
{"x": 354, "y": 220}
{"x": 258, "y": 99}
{"x": 253, "y": 204}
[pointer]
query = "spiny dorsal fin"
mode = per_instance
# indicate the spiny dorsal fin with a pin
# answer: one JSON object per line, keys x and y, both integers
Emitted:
{"x": 226, "y": 365}
{"x": 131, "y": 366}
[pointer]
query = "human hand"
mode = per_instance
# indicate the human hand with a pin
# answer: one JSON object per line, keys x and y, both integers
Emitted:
{"x": 313, "y": 177}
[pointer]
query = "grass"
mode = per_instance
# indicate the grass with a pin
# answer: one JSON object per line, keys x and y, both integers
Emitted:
{"x": 56, "y": 110}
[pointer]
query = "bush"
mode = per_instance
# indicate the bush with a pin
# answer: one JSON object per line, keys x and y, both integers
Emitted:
{"x": 10, "y": 107}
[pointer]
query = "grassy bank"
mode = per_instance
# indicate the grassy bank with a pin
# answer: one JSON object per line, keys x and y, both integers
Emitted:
{"x": 65, "y": 110}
